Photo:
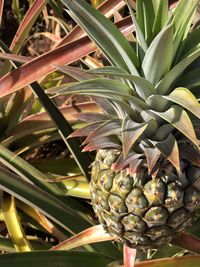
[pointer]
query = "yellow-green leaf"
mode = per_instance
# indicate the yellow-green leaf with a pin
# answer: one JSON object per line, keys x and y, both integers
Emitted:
{"x": 186, "y": 99}
{"x": 13, "y": 224}
{"x": 179, "y": 118}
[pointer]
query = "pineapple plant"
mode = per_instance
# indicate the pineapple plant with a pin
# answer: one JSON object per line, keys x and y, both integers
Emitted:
{"x": 145, "y": 179}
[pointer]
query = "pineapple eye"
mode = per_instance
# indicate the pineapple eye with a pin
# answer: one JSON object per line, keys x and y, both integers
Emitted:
{"x": 136, "y": 202}
{"x": 178, "y": 217}
{"x": 122, "y": 184}
{"x": 156, "y": 216}
{"x": 191, "y": 198}
{"x": 116, "y": 204}
{"x": 174, "y": 195}
{"x": 154, "y": 191}
{"x": 133, "y": 223}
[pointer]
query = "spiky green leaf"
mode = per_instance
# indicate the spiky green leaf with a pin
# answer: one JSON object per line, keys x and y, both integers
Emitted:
{"x": 179, "y": 118}
{"x": 164, "y": 86}
{"x": 161, "y": 15}
{"x": 104, "y": 34}
{"x": 186, "y": 99}
{"x": 158, "y": 58}
{"x": 146, "y": 17}
{"x": 140, "y": 36}
{"x": 143, "y": 87}
{"x": 181, "y": 19}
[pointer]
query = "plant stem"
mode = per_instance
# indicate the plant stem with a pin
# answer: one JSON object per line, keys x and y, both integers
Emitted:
{"x": 129, "y": 256}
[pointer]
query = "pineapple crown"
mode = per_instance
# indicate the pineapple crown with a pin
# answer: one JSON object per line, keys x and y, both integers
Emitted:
{"x": 149, "y": 95}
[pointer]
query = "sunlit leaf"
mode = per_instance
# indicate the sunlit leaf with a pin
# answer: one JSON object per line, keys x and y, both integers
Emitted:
{"x": 13, "y": 224}
{"x": 92, "y": 235}
{"x": 178, "y": 117}
{"x": 164, "y": 86}
{"x": 105, "y": 34}
{"x": 161, "y": 47}
{"x": 186, "y": 99}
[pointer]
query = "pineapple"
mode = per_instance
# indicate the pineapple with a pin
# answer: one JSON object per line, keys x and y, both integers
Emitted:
{"x": 145, "y": 184}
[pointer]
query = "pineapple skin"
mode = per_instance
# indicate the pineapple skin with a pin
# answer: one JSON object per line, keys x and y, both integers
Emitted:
{"x": 138, "y": 210}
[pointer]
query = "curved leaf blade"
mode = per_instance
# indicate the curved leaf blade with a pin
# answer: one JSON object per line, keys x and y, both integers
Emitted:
{"x": 48, "y": 204}
{"x": 164, "y": 86}
{"x": 131, "y": 131}
{"x": 91, "y": 235}
{"x": 179, "y": 118}
{"x": 13, "y": 224}
{"x": 105, "y": 34}
{"x": 143, "y": 87}
{"x": 186, "y": 99}
{"x": 158, "y": 58}
{"x": 65, "y": 54}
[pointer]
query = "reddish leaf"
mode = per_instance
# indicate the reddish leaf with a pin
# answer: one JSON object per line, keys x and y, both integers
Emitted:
{"x": 122, "y": 162}
{"x": 91, "y": 117}
{"x": 188, "y": 242}
{"x": 135, "y": 165}
{"x": 42, "y": 120}
{"x": 131, "y": 131}
{"x": 26, "y": 24}
{"x": 43, "y": 65}
{"x": 88, "y": 236}
{"x": 108, "y": 128}
{"x": 1, "y": 9}
{"x": 106, "y": 142}
{"x": 24, "y": 29}
{"x": 85, "y": 131}
{"x": 15, "y": 58}
{"x": 169, "y": 149}
{"x": 152, "y": 155}
{"x": 191, "y": 154}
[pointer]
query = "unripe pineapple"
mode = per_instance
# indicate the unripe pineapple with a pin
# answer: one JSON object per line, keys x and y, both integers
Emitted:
{"x": 140, "y": 210}
{"x": 145, "y": 185}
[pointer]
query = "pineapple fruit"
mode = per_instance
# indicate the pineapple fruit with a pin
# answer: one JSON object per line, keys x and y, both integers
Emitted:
{"x": 145, "y": 185}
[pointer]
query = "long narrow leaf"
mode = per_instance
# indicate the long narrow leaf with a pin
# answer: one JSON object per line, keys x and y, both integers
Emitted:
{"x": 106, "y": 9}
{"x": 64, "y": 54}
{"x": 92, "y": 235}
{"x": 161, "y": 15}
{"x": 13, "y": 224}
{"x": 64, "y": 128}
{"x": 140, "y": 35}
{"x": 105, "y": 34}
{"x": 158, "y": 58}
{"x": 49, "y": 205}
{"x": 25, "y": 170}
{"x": 24, "y": 28}
{"x": 54, "y": 259}
{"x": 164, "y": 86}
